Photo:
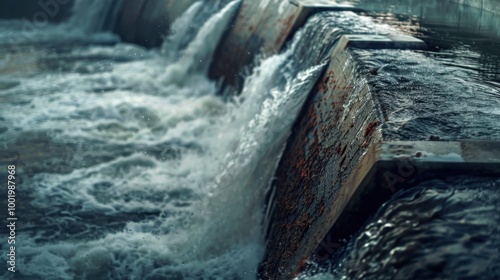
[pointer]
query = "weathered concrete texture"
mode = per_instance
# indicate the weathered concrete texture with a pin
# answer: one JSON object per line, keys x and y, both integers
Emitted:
{"x": 337, "y": 125}
{"x": 38, "y": 11}
{"x": 259, "y": 25}
{"x": 146, "y": 22}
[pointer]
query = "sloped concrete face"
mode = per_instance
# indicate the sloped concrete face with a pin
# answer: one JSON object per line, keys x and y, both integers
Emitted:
{"x": 147, "y": 22}
{"x": 261, "y": 26}
{"x": 154, "y": 22}
{"x": 337, "y": 125}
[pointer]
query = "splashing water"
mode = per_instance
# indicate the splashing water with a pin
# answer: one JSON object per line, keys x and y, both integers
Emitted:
{"x": 145, "y": 173}
{"x": 198, "y": 55}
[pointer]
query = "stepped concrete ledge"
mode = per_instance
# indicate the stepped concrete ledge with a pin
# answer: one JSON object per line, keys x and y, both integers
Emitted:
{"x": 324, "y": 5}
{"x": 393, "y": 165}
{"x": 391, "y": 41}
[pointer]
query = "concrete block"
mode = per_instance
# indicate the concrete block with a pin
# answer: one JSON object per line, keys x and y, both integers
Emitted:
{"x": 261, "y": 26}
{"x": 390, "y": 41}
{"x": 362, "y": 100}
{"x": 153, "y": 23}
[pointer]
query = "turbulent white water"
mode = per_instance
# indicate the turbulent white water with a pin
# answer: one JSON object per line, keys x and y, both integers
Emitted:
{"x": 159, "y": 178}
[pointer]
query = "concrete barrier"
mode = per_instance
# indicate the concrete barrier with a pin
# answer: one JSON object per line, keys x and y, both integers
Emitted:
{"x": 261, "y": 27}
{"x": 338, "y": 125}
{"x": 371, "y": 92}
{"x": 343, "y": 158}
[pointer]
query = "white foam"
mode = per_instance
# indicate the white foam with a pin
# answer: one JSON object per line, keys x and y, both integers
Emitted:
{"x": 197, "y": 215}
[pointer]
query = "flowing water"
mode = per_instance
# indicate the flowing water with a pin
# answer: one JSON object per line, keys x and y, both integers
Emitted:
{"x": 131, "y": 165}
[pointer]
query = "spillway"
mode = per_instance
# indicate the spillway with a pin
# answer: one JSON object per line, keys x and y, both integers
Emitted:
{"x": 158, "y": 139}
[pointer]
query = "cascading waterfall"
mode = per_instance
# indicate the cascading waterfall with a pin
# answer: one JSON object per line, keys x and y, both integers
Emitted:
{"x": 150, "y": 174}
{"x": 133, "y": 167}
{"x": 197, "y": 56}
{"x": 180, "y": 31}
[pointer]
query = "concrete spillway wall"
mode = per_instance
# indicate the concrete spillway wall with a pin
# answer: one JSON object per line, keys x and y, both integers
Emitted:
{"x": 261, "y": 27}
{"x": 339, "y": 123}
